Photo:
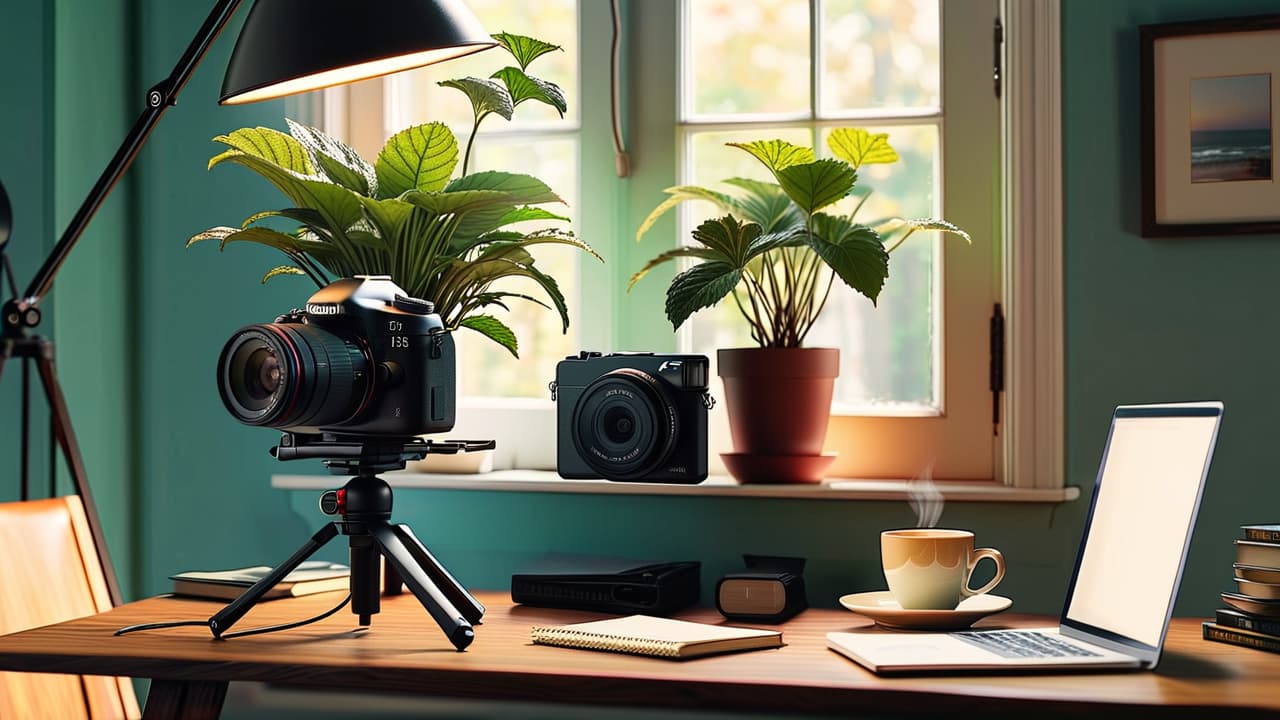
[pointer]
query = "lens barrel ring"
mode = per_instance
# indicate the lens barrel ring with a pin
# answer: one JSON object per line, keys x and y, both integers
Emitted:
{"x": 615, "y": 451}
{"x": 324, "y": 378}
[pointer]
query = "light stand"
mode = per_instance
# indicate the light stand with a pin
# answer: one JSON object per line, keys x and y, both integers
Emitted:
{"x": 364, "y": 505}
{"x": 20, "y": 315}
{"x": 285, "y": 47}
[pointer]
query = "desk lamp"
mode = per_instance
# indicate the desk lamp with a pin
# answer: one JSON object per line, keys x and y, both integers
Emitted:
{"x": 285, "y": 47}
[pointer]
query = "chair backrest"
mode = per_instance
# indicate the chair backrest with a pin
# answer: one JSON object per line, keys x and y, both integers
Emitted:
{"x": 49, "y": 572}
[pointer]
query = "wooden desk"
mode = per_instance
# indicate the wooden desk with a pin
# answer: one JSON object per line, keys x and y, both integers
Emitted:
{"x": 404, "y": 651}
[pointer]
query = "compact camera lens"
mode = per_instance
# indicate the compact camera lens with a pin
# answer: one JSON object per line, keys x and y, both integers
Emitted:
{"x": 625, "y": 424}
{"x": 619, "y": 424}
{"x": 286, "y": 375}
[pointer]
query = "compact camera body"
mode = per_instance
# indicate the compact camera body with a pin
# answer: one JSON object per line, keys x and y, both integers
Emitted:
{"x": 632, "y": 417}
{"x": 361, "y": 359}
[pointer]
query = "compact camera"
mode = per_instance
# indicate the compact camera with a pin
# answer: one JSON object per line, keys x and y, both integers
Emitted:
{"x": 632, "y": 416}
{"x": 361, "y": 359}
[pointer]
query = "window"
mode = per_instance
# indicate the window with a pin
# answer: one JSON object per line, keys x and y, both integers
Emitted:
{"x": 915, "y": 369}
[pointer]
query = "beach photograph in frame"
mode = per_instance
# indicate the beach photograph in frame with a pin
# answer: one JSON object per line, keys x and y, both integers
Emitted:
{"x": 1231, "y": 128}
{"x": 1209, "y": 110}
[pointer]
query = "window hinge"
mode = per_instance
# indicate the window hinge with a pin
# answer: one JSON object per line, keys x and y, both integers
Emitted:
{"x": 997, "y": 39}
{"x": 997, "y": 365}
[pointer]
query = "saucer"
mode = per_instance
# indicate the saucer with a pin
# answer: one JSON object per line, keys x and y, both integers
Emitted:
{"x": 749, "y": 468}
{"x": 881, "y": 607}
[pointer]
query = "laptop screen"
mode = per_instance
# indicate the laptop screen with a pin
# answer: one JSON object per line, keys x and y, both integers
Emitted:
{"x": 1144, "y": 508}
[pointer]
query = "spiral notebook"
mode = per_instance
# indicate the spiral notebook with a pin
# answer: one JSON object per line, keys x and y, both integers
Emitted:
{"x": 655, "y": 636}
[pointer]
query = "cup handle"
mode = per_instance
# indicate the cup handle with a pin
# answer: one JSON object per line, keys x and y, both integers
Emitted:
{"x": 991, "y": 554}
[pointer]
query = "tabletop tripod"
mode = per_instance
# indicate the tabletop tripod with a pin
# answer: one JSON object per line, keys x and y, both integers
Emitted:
{"x": 364, "y": 504}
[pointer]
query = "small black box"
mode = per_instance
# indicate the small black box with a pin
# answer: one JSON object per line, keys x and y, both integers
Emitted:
{"x": 612, "y": 585}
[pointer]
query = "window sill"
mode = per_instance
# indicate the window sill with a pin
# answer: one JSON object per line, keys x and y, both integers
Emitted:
{"x": 714, "y": 486}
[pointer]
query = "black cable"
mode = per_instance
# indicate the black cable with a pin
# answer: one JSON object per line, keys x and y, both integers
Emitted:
{"x": 157, "y": 626}
{"x": 288, "y": 626}
{"x": 242, "y": 633}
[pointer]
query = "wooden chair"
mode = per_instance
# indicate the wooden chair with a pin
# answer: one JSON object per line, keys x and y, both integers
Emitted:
{"x": 49, "y": 572}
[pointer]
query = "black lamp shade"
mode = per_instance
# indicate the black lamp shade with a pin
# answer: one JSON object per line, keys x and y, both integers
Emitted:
{"x": 293, "y": 46}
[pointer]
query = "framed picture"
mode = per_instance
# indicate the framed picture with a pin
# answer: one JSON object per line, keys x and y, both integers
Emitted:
{"x": 1210, "y": 114}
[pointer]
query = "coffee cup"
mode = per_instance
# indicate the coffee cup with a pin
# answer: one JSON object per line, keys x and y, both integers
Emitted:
{"x": 929, "y": 568}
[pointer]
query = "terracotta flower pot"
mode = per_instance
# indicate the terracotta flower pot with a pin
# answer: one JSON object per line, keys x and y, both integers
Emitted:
{"x": 779, "y": 401}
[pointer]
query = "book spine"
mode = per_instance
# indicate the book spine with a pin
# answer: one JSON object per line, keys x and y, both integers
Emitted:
{"x": 1244, "y": 622}
{"x": 1262, "y": 534}
{"x": 595, "y": 641}
{"x": 1243, "y": 638}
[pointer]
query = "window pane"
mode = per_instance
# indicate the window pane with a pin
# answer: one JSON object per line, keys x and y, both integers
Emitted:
{"x": 484, "y": 367}
{"x": 888, "y": 351}
{"x": 417, "y": 97}
{"x": 879, "y": 54}
{"x": 747, "y": 57}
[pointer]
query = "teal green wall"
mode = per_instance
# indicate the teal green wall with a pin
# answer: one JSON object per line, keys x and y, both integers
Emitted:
{"x": 1151, "y": 319}
{"x": 1145, "y": 320}
{"x": 26, "y": 158}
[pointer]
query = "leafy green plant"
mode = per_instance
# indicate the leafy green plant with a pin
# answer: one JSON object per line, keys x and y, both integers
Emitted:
{"x": 774, "y": 251}
{"x": 443, "y": 238}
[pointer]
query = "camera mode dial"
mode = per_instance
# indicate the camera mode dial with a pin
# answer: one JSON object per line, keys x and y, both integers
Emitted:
{"x": 413, "y": 305}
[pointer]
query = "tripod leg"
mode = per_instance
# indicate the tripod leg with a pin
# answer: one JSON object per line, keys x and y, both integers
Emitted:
{"x": 453, "y": 623}
{"x": 471, "y": 608}
{"x": 365, "y": 601}
{"x": 60, "y": 418}
{"x": 227, "y": 616}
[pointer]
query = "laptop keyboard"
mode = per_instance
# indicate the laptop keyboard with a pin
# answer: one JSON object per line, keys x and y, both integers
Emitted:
{"x": 1023, "y": 644}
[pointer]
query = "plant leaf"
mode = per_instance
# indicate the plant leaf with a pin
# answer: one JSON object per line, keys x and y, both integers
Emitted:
{"x": 700, "y": 286}
{"x": 729, "y": 237}
{"x": 857, "y": 146}
{"x": 270, "y": 145}
{"x": 776, "y": 154}
{"x": 522, "y": 87}
{"x": 525, "y": 213}
{"x": 815, "y": 185}
{"x": 695, "y": 252}
{"x": 337, "y": 206}
{"x": 525, "y": 189}
{"x": 682, "y": 193}
{"x": 281, "y": 270}
{"x": 265, "y": 236}
{"x": 214, "y": 233}
{"x": 854, "y": 251}
{"x": 421, "y": 157}
{"x": 494, "y": 329}
{"x": 486, "y": 96}
{"x": 524, "y": 49}
{"x": 767, "y": 204}
{"x": 339, "y": 162}
{"x": 894, "y": 224}
{"x": 457, "y": 202}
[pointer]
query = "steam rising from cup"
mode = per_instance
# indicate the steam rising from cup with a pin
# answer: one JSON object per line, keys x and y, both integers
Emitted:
{"x": 925, "y": 499}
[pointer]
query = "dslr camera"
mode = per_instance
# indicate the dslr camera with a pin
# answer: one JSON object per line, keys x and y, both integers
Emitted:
{"x": 632, "y": 417}
{"x": 361, "y": 359}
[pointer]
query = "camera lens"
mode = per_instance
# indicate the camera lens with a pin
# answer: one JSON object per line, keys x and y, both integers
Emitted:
{"x": 625, "y": 424}
{"x": 286, "y": 375}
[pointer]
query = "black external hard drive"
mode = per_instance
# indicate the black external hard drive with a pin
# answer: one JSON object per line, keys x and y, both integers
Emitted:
{"x": 606, "y": 584}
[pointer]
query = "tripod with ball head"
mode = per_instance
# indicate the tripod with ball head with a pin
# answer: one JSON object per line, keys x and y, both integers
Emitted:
{"x": 364, "y": 508}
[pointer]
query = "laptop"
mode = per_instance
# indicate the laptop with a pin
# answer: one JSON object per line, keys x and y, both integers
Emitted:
{"x": 1127, "y": 571}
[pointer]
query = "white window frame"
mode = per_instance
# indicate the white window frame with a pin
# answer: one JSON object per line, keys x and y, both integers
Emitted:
{"x": 1031, "y": 452}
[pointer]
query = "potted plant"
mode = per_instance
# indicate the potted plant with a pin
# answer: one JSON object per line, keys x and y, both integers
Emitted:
{"x": 776, "y": 254}
{"x": 441, "y": 238}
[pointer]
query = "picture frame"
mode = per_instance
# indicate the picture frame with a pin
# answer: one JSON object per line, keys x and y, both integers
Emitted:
{"x": 1210, "y": 118}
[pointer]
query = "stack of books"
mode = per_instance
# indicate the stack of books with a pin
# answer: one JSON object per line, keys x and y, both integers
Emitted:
{"x": 1252, "y": 615}
{"x": 312, "y": 576}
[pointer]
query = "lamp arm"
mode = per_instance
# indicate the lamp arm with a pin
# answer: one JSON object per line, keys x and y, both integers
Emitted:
{"x": 22, "y": 311}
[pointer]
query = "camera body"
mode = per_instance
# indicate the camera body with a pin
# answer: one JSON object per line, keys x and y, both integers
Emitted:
{"x": 361, "y": 359}
{"x": 635, "y": 417}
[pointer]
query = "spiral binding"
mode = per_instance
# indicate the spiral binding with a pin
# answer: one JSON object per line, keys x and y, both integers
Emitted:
{"x": 562, "y": 637}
